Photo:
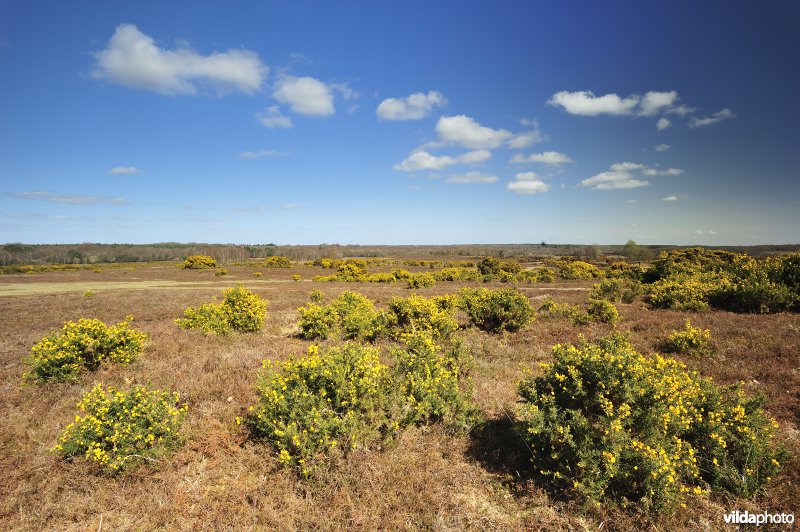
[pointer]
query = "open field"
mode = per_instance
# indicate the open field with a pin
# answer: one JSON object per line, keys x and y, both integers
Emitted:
{"x": 426, "y": 478}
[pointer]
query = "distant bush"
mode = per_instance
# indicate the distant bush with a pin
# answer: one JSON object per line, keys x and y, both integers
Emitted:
{"x": 88, "y": 293}
{"x": 698, "y": 279}
{"x": 349, "y": 316}
{"x": 578, "y": 270}
{"x": 457, "y": 274}
{"x": 689, "y": 341}
{"x": 609, "y": 425}
{"x": 496, "y": 310}
{"x": 239, "y": 311}
{"x": 419, "y": 314}
{"x": 316, "y": 296}
{"x": 83, "y": 345}
{"x": 120, "y": 429}
{"x": 277, "y": 261}
{"x": 296, "y": 277}
{"x": 221, "y": 272}
{"x": 421, "y": 280}
{"x": 617, "y": 290}
{"x": 491, "y": 267}
{"x": 199, "y": 262}
{"x": 257, "y": 274}
{"x": 602, "y": 311}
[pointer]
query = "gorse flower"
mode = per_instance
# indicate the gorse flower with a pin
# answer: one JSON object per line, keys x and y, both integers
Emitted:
{"x": 240, "y": 311}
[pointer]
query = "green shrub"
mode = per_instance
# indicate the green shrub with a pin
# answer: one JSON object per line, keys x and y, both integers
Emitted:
{"x": 609, "y": 425}
{"x": 496, "y": 310}
{"x": 617, "y": 290}
{"x": 689, "y": 341}
{"x": 296, "y": 277}
{"x": 83, "y": 345}
{"x": 221, "y": 272}
{"x": 316, "y": 296}
{"x": 421, "y": 280}
{"x": 551, "y": 309}
{"x": 88, "y": 293}
{"x": 257, "y": 274}
{"x": 602, "y": 311}
{"x": 349, "y": 316}
{"x": 342, "y": 397}
{"x": 336, "y": 397}
{"x": 433, "y": 383}
{"x": 681, "y": 293}
{"x": 120, "y": 429}
{"x": 199, "y": 262}
{"x": 419, "y": 314}
{"x": 578, "y": 269}
{"x": 277, "y": 261}
{"x": 240, "y": 311}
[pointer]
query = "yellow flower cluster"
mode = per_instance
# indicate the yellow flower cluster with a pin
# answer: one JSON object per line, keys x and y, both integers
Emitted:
{"x": 121, "y": 428}
{"x": 84, "y": 344}
{"x": 240, "y": 310}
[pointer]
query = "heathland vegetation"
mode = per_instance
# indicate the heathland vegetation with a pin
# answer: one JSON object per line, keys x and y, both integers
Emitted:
{"x": 458, "y": 391}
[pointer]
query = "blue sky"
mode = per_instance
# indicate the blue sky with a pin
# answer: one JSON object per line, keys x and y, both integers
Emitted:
{"x": 400, "y": 122}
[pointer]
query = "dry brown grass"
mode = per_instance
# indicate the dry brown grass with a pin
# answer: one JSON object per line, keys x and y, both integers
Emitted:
{"x": 426, "y": 478}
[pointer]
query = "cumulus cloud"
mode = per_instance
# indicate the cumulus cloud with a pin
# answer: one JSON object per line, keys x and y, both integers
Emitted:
{"x": 670, "y": 198}
{"x": 625, "y": 175}
{"x": 422, "y": 160}
{"x": 654, "y": 102}
{"x": 69, "y": 199}
{"x": 464, "y": 131}
{"x": 414, "y": 107}
{"x": 585, "y": 103}
{"x": 527, "y": 183}
{"x": 526, "y": 138}
{"x": 719, "y": 116}
{"x": 133, "y": 59}
{"x": 305, "y": 95}
{"x": 553, "y": 158}
{"x": 262, "y": 153}
{"x": 663, "y": 123}
{"x": 470, "y": 178}
{"x": 124, "y": 170}
{"x": 662, "y": 147}
{"x": 272, "y": 118}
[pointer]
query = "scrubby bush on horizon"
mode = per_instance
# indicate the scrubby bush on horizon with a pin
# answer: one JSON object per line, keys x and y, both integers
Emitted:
{"x": 276, "y": 261}
{"x": 609, "y": 425}
{"x": 495, "y": 311}
{"x": 698, "y": 279}
{"x": 343, "y": 397}
{"x": 83, "y": 345}
{"x": 120, "y": 429}
{"x": 199, "y": 262}
{"x": 577, "y": 269}
{"x": 239, "y": 311}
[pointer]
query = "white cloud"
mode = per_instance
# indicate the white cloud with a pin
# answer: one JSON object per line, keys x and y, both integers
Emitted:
{"x": 663, "y": 123}
{"x": 133, "y": 59}
{"x": 681, "y": 110}
{"x": 124, "y": 170}
{"x": 662, "y": 147}
{"x": 654, "y": 102}
{"x": 262, "y": 153}
{"x": 306, "y": 95}
{"x": 414, "y": 107}
{"x": 548, "y": 157}
{"x": 69, "y": 199}
{"x": 472, "y": 178}
{"x": 527, "y": 183}
{"x": 670, "y": 198}
{"x": 422, "y": 160}
{"x": 290, "y": 206}
{"x": 464, "y": 131}
{"x": 620, "y": 176}
{"x": 671, "y": 171}
{"x": 526, "y": 138}
{"x": 585, "y": 103}
{"x": 719, "y": 116}
{"x": 272, "y": 118}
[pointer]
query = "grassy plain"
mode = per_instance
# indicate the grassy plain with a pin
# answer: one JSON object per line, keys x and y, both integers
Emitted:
{"x": 426, "y": 478}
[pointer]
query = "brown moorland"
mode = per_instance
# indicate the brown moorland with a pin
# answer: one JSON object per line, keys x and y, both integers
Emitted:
{"x": 426, "y": 478}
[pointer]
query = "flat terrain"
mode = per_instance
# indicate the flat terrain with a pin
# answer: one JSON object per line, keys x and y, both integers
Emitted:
{"x": 426, "y": 478}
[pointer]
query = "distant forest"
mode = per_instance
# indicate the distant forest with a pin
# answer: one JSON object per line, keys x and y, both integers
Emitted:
{"x": 17, "y": 253}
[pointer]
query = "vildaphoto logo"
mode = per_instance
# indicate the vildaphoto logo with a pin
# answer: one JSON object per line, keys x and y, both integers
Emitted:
{"x": 743, "y": 518}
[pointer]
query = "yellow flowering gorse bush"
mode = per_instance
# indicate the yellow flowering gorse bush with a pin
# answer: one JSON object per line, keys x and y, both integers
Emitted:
{"x": 83, "y": 345}
{"x": 120, "y": 429}
{"x": 240, "y": 311}
{"x": 689, "y": 341}
{"x": 199, "y": 262}
{"x": 607, "y": 424}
